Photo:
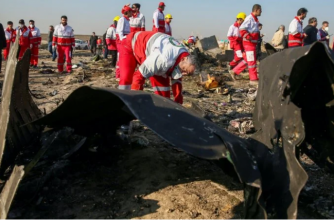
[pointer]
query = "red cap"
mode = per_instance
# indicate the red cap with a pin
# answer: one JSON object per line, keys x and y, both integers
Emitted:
{"x": 162, "y": 4}
{"x": 126, "y": 8}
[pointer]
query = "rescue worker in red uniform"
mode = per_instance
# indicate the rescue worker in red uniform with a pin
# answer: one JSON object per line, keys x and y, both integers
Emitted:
{"x": 10, "y": 35}
{"x": 137, "y": 21}
{"x": 36, "y": 36}
{"x": 296, "y": 33}
{"x": 250, "y": 33}
{"x": 159, "y": 19}
{"x": 63, "y": 41}
{"x": 235, "y": 39}
{"x": 111, "y": 42}
{"x": 25, "y": 38}
{"x": 122, "y": 30}
{"x": 161, "y": 59}
{"x": 168, "y": 28}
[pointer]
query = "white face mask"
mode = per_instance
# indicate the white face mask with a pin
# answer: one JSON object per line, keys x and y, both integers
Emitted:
{"x": 31, "y": 25}
{"x": 326, "y": 29}
{"x": 21, "y": 25}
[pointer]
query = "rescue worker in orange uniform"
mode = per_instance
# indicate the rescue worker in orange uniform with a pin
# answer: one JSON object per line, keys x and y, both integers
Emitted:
{"x": 10, "y": 35}
{"x": 250, "y": 33}
{"x": 137, "y": 21}
{"x": 235, "y": 39}
{"x": 63, "y": 41}
{"x": 159, "y": 19}
{"x": 26, "y": 39}
{"x": 36, "y": 36}
{"x": 161, "y": 58}
{"x": 168, "y": 28}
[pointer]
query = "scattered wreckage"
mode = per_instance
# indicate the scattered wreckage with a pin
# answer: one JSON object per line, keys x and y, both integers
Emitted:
{"x": 294, "y": 112}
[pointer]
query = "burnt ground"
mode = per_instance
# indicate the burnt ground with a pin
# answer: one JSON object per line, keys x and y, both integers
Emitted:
{"x": 143, "y": 176}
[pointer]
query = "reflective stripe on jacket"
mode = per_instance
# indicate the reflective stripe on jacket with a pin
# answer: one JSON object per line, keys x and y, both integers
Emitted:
{"x": 296, "y": 34}
{"x": 249, "y": 30}
{"x": 137, "y": 22}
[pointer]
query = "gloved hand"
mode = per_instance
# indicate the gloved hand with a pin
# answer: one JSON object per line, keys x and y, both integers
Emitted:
{"x": 327, "y": 37}
{"x": 30, "y": 45}
{"x": 54, "y": 47}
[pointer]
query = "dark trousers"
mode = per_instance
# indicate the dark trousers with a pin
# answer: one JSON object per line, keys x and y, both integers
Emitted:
{"x": 93, "y": 49}
{"x": 113, "y": 53}
{"x": 106, "y": 52}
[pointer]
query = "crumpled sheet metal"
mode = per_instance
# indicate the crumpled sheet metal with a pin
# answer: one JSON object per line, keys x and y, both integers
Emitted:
{"x": 90, "y": 110}
{"x": 18, "y": 108}
{"x": 295, "y": 86}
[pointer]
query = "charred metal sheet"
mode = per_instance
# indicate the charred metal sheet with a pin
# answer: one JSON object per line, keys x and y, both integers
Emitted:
{"x": 90, "y": 110}
{"x": 17, "y": 108}
{"x": 291, "y": 111}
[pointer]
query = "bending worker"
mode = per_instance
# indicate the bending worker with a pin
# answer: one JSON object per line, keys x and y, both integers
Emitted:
{"x": 160, "y": 57}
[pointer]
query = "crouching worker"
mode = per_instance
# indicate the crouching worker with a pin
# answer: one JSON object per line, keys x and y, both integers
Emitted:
{"x": 161, "y": 58}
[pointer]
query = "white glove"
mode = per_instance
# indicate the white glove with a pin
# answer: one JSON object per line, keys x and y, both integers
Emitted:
{"x": 54, "y": 47}
{"x": 30, "y": 45}
{"x": 327, "y": 37}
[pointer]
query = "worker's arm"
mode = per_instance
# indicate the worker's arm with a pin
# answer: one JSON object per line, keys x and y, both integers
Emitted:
{"x": 323, "y": 37}
{"x": 38, "y": 37}
{"x": 155, "y": 64}
{"x": 244, "y": 30}
{"x": 120, "y": 28}
{"x": 143, "y": 23}
{"x": 156, "y": 19}
{"x": 177, "y": 90}
{"x": 14, "y": 36}
{"x": 231, "y": 36}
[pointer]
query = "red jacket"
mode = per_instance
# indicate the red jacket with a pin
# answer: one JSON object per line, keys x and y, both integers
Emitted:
{"x": 158, "y": 21}
{"x": 111, "y": 38}
{"x": 137, "y": 22}
{"x": 63, "y": 36}
{"x": 10, "y": 35}
{"x": 249, "y": 30}
{"x": 36, "y": 36}
{"x": 296, "y": 34}
{"x": 25, "y": 37}
{"x": 234, "y": 37}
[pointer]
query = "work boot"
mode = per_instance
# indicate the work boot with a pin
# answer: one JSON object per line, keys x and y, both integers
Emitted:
{"x": 254, "y": 83}
{"x": 232, "y": 74}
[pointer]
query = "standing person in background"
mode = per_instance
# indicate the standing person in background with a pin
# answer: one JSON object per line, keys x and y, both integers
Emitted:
{"x": 250, "y": 33}
{"x": 311, "y": 32}
{"x": 323, "y": 32}
{"x": 235, "y": 39}
{"x": 122, "y": 30}
{"x": 93, "y": 44}
{"x": 296, "y": 34}
{"x": 36, "y": 41}
{"x": 168, "y": 28}
{"x": 63, "y": 41}
{"x": 105, "y": 47}
{"x": 26, "y": 39}
{"x": 112, "y": 46}
{"x": 137, "y": 21}
{"x": 259, "y": 43}
{"x": 10, "y": 35}
{"x": 50, "y": 37}
{"x": 99, "y": 46}
{"x": 278, "y": 39}
{"x": 3, "y": 43}
{"x": 159, "y": 19}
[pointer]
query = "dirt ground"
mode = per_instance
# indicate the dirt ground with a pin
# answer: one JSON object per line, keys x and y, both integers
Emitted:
{"x": 147, "y": 178}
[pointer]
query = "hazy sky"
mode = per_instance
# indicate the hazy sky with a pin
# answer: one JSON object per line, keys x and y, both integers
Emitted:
{"x": 195, "y": 17}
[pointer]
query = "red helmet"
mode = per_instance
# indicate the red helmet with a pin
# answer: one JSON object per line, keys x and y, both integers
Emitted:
{"x": 126, "y": 8}
{"x": 162, "y": 4}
